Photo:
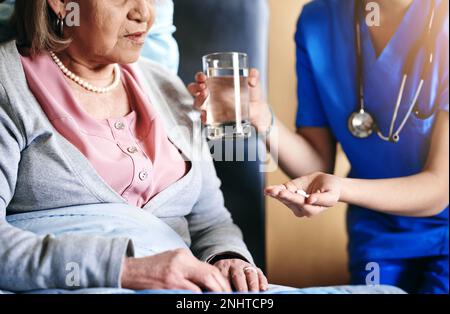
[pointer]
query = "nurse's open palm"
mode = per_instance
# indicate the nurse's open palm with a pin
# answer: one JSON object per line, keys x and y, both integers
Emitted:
{"x": 309, "y": 195}
{"x": 260, "y": 115}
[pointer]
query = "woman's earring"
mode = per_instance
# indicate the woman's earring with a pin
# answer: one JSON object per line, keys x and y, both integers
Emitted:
{"x": 60, "y": 26}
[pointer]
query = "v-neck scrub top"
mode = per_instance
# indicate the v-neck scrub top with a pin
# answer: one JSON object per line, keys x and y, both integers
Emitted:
{"x": 327, "y": 95}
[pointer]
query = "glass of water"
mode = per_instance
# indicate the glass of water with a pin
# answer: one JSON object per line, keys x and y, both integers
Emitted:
{"x": 227, "y": 107}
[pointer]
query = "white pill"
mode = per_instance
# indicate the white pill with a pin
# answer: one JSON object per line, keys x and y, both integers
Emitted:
{"x": 302, "y": 193}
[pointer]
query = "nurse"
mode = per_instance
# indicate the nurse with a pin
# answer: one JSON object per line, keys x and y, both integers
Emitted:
{"x": 382, "y": 93}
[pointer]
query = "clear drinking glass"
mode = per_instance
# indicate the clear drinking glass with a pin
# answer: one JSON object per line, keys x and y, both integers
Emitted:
{"x": 227, "y": 106}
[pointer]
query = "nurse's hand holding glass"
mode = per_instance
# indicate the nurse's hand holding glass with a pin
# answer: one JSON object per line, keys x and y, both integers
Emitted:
{"x": 260, "y": 115}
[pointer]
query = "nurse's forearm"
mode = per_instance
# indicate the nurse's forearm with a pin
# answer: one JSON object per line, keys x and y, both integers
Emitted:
{"x": 421, "y": 195}
{"x": 295, "y": 154}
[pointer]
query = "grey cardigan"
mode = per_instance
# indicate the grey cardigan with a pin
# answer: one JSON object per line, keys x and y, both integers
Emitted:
{"x": 41, "y": 170}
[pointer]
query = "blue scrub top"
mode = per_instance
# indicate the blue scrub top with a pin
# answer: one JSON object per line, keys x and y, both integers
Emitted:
{"x": 327, "y": 94}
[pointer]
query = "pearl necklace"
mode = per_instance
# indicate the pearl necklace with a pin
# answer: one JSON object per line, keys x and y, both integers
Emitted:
{"x": 83, "y": 83}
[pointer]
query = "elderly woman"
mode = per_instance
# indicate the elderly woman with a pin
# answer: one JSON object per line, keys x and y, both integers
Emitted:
{"x": 98, "y": 185}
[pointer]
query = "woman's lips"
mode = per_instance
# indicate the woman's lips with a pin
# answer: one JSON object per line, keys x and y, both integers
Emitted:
{"x": 138, "y": 37}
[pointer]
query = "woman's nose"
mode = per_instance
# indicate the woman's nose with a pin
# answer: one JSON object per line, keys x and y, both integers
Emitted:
{"x": 142, "y": 10}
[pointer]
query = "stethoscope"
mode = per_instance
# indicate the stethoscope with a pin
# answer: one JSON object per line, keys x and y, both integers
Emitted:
{"x": 361, "y": 123}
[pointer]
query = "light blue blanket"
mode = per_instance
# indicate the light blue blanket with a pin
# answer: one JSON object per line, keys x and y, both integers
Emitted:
{"x": 149, "y": 235}
{"x": 273, "y": 289}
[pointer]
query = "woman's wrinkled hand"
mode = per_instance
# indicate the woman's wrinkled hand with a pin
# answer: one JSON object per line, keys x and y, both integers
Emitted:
{"x": 322, "y": 192}
{"x": 243, "y": 276}
{"x": 260, "y": 114}
{"x": 172, "y": 270}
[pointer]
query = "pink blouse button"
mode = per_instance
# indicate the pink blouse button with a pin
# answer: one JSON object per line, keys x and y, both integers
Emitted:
{"x": 143, "y": 175}
{"x": 132, "y": 149}
{"x": 119, "y": 125}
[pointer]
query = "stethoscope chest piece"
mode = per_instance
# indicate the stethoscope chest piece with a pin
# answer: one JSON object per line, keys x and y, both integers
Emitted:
{"x": 361, "y": 124}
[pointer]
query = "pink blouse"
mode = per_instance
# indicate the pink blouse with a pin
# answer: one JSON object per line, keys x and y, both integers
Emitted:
{"x": 132, "y": 154}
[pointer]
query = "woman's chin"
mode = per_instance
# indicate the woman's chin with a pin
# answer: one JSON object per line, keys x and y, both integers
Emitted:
{"x": 129, "y": 57}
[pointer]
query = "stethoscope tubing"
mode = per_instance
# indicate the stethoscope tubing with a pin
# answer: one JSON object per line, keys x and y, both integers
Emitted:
{"x": 394, "y": 135}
